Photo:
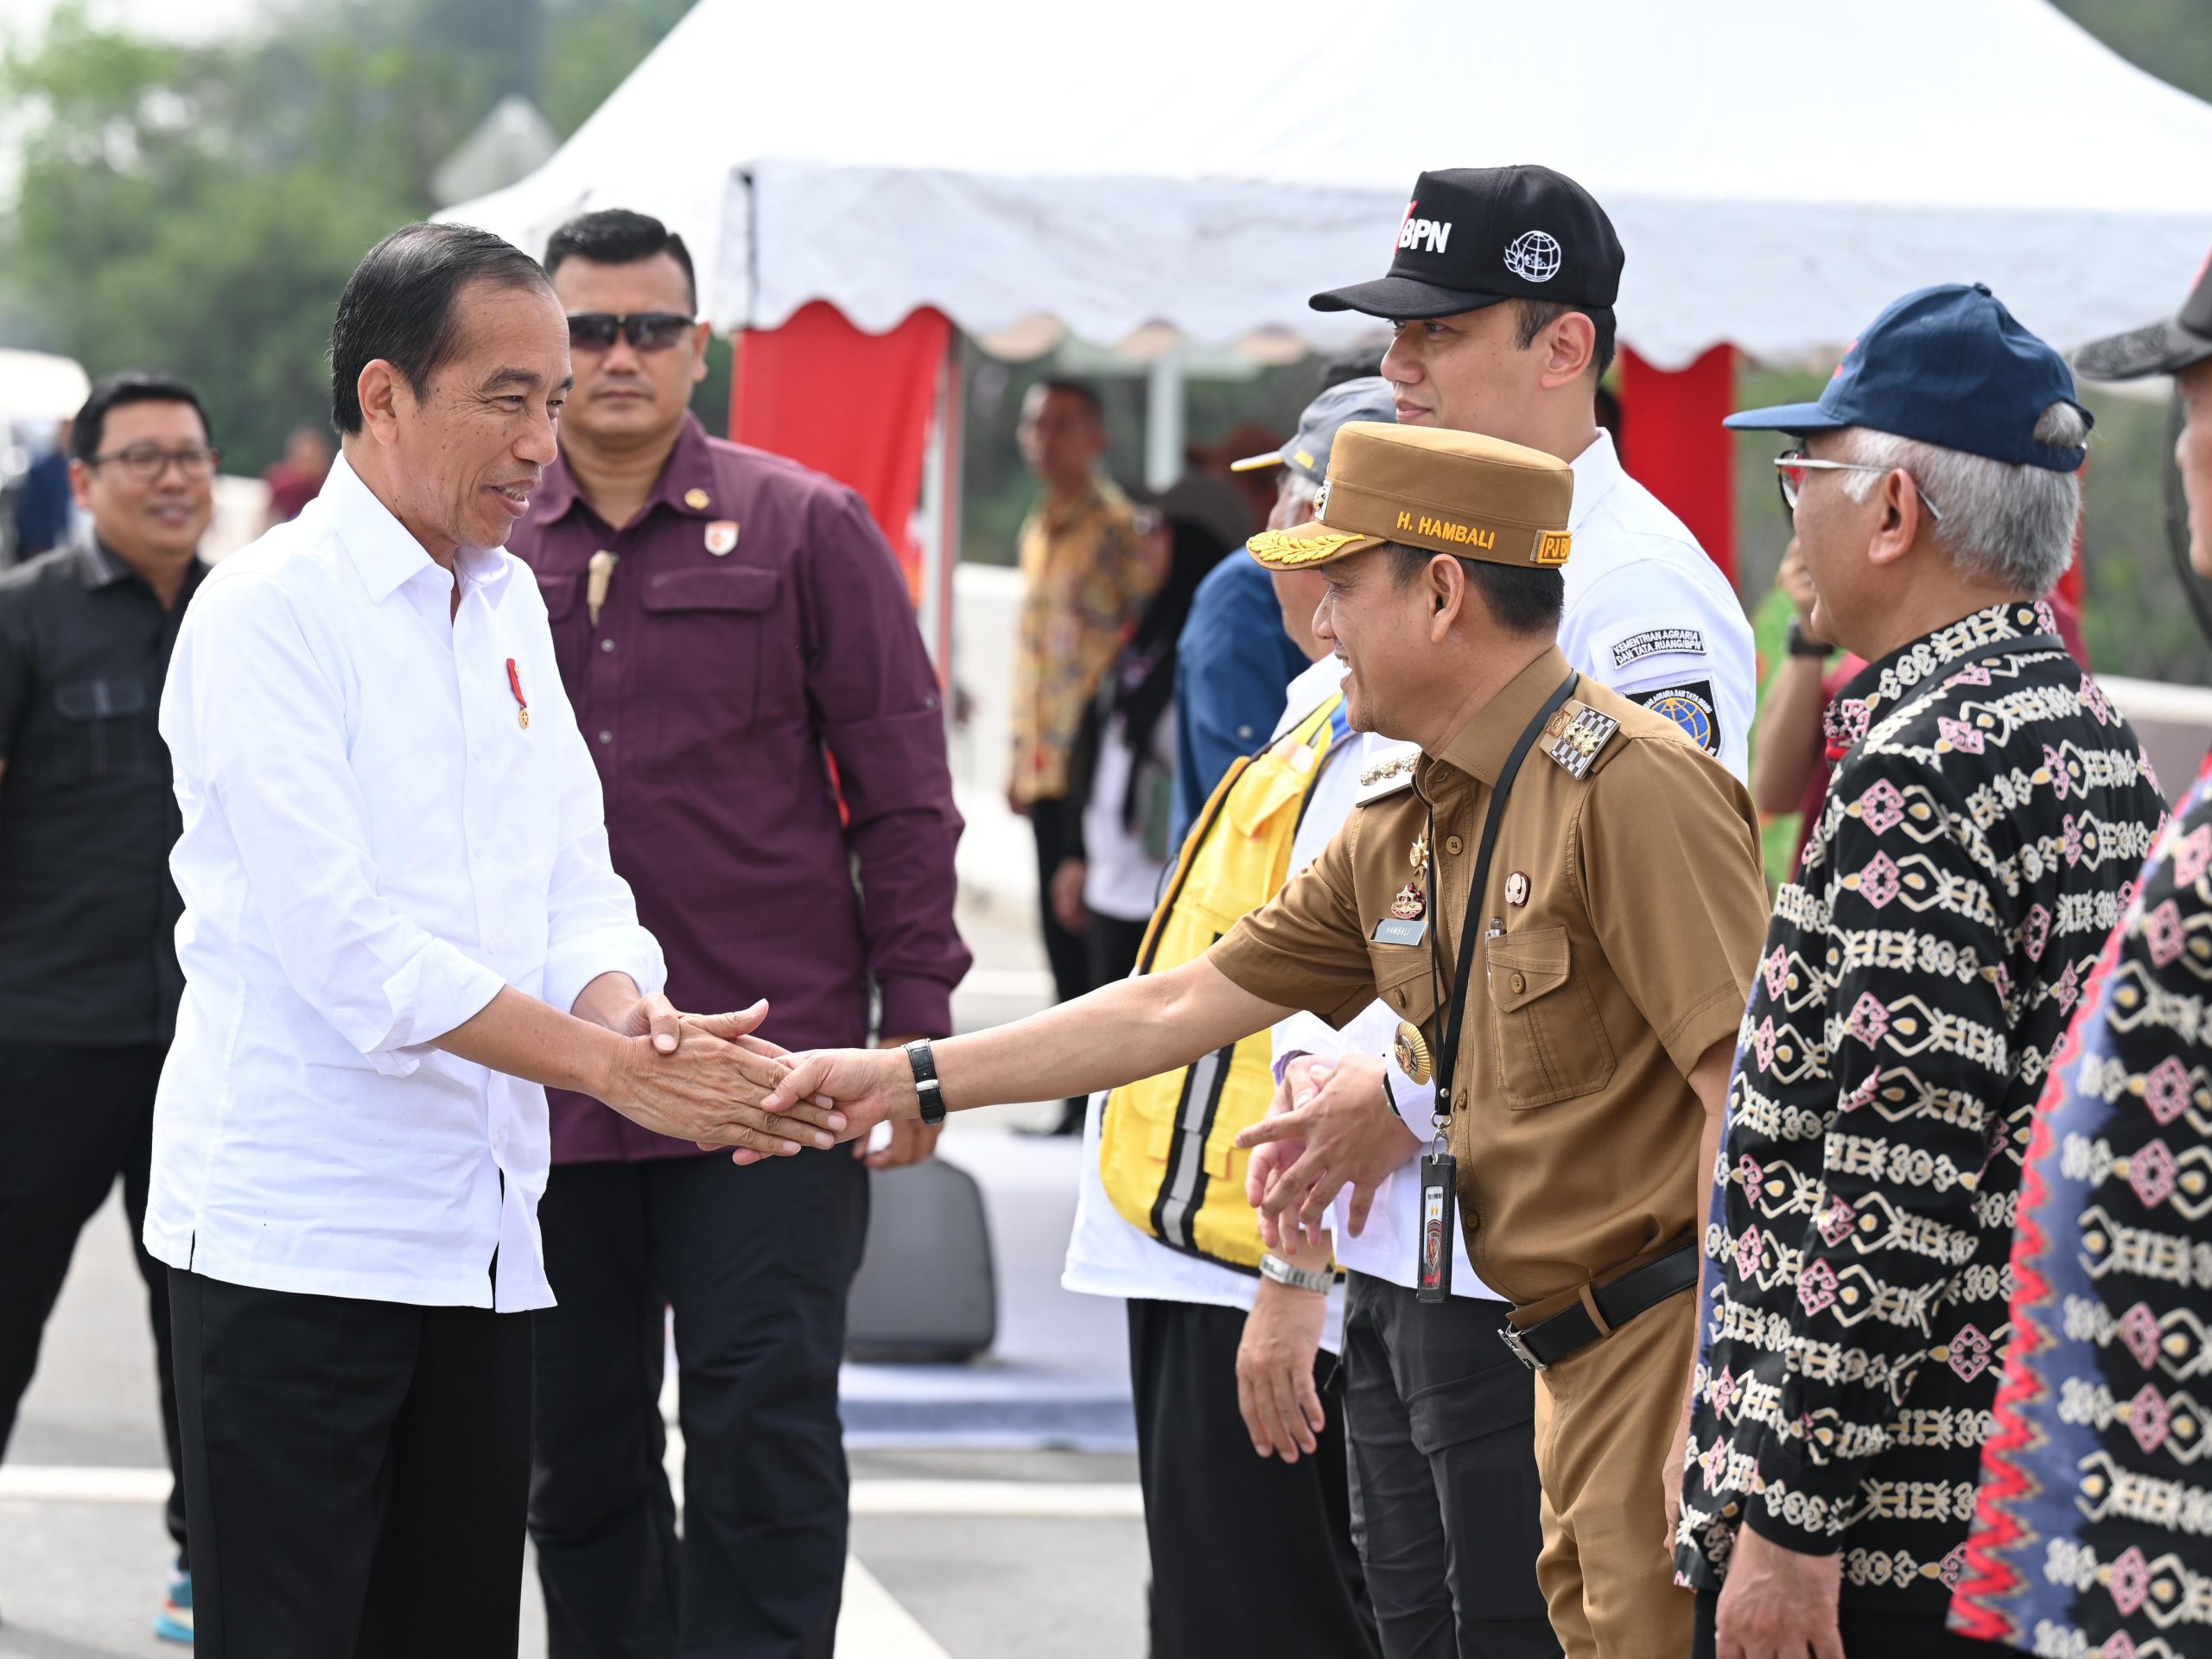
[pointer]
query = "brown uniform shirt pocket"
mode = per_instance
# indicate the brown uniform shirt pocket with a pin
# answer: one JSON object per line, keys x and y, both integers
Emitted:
{"x": 1551, "y": 1045}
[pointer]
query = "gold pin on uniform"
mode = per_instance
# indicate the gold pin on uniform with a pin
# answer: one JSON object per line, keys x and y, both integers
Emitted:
{"x": 696, "y": 500}
{"x": 1410, "y": 1050}
{"x": 1412, "y": 902}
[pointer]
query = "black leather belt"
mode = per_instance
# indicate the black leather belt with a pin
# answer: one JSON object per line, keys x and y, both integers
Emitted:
{"x": 1543, "y": 1345}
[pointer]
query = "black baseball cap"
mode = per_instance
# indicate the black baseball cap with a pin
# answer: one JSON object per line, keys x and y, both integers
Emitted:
{"x": 2164, "y": 348}
{"x": 1473, "y": 235}
{"x": 1948, "y": 366}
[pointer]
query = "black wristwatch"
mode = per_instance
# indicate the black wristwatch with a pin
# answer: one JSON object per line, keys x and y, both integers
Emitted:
{"x": 1802, "y": 643}
{"x": 925, "y": 1083}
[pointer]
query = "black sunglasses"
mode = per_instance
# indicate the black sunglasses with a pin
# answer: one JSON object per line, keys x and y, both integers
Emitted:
{"x": 649, "y": 331}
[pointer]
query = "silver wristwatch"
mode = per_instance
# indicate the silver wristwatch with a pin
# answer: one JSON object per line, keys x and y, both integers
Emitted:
{"x": 1317, "y": 1279}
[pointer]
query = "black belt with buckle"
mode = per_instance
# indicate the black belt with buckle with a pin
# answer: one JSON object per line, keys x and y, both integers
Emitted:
{"x": 1543, "y": 1345}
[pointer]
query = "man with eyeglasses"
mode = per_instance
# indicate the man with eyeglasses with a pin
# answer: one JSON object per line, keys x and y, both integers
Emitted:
{"x": 742, "y": 652}
{"x": 1987, "y": 814}
{"x": 88, "y": 973}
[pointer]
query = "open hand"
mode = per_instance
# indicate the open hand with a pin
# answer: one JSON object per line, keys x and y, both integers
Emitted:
{"x": 1275, "y": 1370}
{"x": 1301, "y": 1080}
{"x": 1352, "y": 1136}
{"x": 1778, "y": 1603}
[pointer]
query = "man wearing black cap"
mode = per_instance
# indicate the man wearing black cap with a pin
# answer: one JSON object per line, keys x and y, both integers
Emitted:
{"x": 1988, "y": 811}
{"x": 2092, "y": 1319}
{"x": 1500, "y": 294}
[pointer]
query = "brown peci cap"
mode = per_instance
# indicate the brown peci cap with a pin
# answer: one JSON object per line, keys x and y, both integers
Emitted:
{"x": 1449, "y": 492}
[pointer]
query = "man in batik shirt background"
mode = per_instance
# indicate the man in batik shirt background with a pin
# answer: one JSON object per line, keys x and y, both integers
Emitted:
{"x": 1988, "y": 811}
{"x": 2094, "y": 1533}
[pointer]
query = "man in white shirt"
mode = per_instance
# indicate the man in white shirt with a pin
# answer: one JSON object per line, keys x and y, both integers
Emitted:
{"x": 1500, "y": 297}
{"x": 400, "y": 922}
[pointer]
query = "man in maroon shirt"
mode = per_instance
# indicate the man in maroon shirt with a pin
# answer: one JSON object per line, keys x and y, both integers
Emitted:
{"x": 729, "y": 625}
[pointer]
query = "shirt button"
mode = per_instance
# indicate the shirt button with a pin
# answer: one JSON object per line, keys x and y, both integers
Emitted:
{"x": 1516, "y": 984}
{"x": 1453, "y": 845}
{"x": 606, "y": 645}
{"x": 606, "y": 737}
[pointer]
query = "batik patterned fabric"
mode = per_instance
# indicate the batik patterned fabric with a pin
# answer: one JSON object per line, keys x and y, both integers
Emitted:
{"x": 1987, "y": 816}
{"x": 2094, "y": 1533}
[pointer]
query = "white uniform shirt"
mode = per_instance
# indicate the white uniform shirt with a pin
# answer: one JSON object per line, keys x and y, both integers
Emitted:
{"x": 373, "y": 845}
{"x": 1108, "y": 1257}
{"x": 1650, "y": 615}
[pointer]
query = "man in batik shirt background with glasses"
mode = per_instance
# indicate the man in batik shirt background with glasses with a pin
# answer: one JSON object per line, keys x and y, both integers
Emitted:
{"x": 88, "y": 976}
{"x": 2092, "y": 1535}
{"x": 1988, "y": 812}
{"x": 723, "y": 618}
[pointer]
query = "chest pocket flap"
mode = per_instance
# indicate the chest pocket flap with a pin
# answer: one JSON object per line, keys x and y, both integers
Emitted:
{"x": 1405, "y": 980}
{"x": 735, "y": 589}
{"x": 559, "y": 594}
{"x": 100, "y": 699}
{"x": 1550, "y": 1043}
{"x": 1525, "y": 966}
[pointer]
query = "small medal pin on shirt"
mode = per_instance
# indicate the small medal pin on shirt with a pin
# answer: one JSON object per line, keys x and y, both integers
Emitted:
{"x": 1412, "y": 902}
{"x": 1517, "y": 887}
{"x": 522, "y": 703}
{"x": 696, "y": 500}
{"x": 1410, "y": 1050}
{"x": 721, "y": 535}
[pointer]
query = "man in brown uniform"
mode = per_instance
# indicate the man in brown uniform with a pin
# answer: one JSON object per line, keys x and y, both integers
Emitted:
{"x": 1605, "y": 959}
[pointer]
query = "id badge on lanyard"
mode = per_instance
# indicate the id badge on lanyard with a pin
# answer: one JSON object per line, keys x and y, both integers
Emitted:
{"x": 1439, "y": 1170}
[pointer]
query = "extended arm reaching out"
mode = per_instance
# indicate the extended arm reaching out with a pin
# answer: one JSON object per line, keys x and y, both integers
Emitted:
{"x": 1130, "y": 1029}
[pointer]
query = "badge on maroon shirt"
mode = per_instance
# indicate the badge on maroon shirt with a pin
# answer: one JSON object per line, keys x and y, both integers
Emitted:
{"x": 721, "y": 535}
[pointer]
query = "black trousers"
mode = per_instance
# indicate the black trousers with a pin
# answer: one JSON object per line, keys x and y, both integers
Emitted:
{"x": 1059, "y": 828}
{"x": 355, "y": 1473}
{"x": 1113, "y": 946}
{"x": 757, "y": 1263}
{"x": 72, "y": 1122}
{"x": 1249, "y": 1555}
{"x": 1446, "y": 1503}
{"x": 1874, "y": 1636}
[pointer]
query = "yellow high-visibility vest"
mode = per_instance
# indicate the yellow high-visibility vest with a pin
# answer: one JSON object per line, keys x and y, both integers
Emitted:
{"x": 1165, "y": 1145}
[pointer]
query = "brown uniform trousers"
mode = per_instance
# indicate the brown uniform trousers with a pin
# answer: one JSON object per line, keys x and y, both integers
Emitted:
{"x": 1622, "y": 920}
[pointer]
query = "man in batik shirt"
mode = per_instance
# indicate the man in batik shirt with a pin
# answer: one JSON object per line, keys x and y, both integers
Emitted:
{"x": 2094, "y": 1533}
{"x": 1988, "y": 808}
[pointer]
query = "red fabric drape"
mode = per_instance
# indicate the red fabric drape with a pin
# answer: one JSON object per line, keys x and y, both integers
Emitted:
{"x": 854, "y": 406}
{"x": 1673, "y": 442}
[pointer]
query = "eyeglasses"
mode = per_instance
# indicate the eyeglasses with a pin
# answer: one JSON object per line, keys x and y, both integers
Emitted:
{"x": 1793, "y": 464}
{"x": 649, "y": 331}
{"x": 144, "y": 463}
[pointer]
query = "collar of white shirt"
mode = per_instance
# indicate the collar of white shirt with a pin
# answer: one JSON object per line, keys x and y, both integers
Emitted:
{"x": 384, "y": 552}
{"x": 1597, "y": 469}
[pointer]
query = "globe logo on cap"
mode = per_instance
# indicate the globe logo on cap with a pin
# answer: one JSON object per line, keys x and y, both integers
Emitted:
{"x": 1533, "y": 256}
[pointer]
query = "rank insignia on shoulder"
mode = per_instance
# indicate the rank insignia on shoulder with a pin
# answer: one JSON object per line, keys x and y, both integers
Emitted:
{"x": 1387, "y": 777}
{"x": 1577, "y": 735}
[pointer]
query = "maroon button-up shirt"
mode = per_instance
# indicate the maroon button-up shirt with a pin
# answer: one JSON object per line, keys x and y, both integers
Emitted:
{"x": 718, "y": 675}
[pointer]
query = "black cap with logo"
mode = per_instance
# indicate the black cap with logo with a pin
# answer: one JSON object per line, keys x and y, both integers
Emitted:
{"x": 2165, "y": 348}
{"x": 1473, "y": 235}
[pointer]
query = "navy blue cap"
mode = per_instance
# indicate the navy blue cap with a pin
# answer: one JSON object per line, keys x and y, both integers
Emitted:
{"x": 1946, "y": 366}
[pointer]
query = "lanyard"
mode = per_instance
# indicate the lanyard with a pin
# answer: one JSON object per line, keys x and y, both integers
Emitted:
{"x": 1439, "y": 1169}
{"x": 1447, "y": 1050}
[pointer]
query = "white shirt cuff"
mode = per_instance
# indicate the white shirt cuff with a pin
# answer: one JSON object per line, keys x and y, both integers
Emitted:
{"x": 573, "y": 964}
{"x": 439, "y": 988}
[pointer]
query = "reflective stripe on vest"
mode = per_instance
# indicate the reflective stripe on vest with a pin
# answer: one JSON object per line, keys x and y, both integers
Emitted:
{"x": 1166, "y": 1149}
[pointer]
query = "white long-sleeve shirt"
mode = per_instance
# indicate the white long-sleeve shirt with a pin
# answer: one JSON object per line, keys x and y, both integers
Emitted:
{"x": 374, "y": 843}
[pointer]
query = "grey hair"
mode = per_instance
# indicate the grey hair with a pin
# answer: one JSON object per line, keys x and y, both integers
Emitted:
{"x": 1296, "y": 487}
{"x": 2012, "y": 524}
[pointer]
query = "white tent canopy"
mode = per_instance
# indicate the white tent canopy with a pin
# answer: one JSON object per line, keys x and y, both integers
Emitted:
{"x": 1777, "y": 174}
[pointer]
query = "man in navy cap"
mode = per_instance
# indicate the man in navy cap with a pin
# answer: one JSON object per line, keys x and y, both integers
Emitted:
{"x": 1988, "y": 811}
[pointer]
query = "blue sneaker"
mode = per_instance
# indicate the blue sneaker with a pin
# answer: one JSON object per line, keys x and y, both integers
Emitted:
{"x": 174, "y": 1622}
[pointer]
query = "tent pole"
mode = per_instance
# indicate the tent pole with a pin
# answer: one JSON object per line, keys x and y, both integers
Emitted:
{"x": 937, "y": 513}
{"x": 1163, "y": 420}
